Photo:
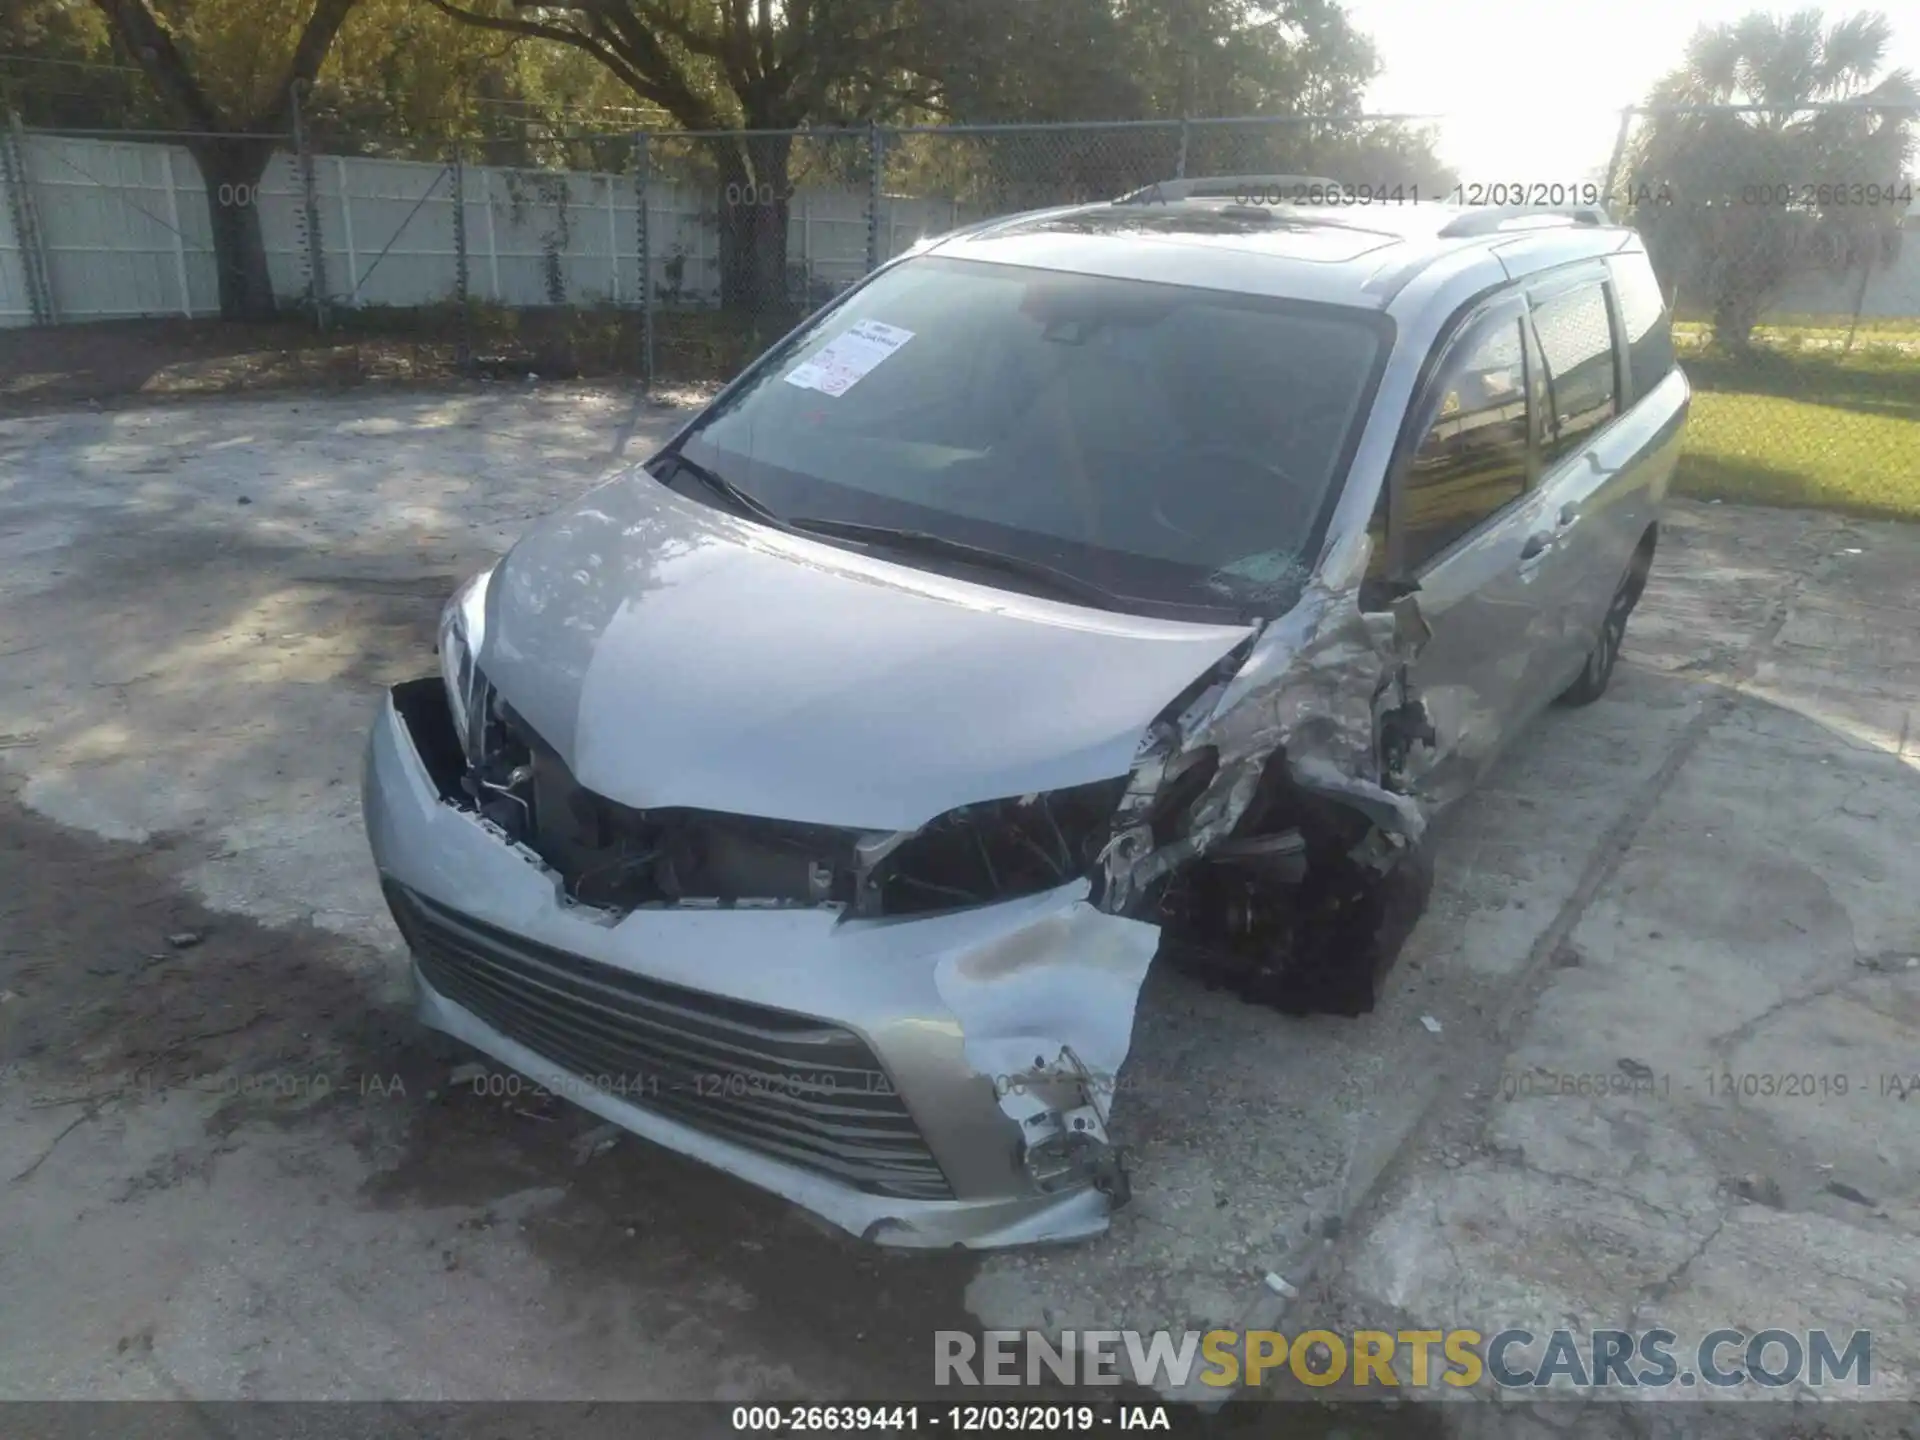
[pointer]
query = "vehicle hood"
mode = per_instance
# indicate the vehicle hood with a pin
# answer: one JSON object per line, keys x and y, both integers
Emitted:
{"x": 676, "y": 655}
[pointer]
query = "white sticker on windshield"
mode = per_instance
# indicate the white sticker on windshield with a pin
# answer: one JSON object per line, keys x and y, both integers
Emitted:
{"x": 837, "y": 368}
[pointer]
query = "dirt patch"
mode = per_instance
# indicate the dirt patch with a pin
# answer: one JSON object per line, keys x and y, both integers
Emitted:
{"x": 639, "y": 1218}
{"x": 119, "y": 362}
{"x": 118, "y": 984}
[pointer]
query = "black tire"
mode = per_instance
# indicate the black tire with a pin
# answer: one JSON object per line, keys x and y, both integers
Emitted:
{"x": 1605, "y": 654}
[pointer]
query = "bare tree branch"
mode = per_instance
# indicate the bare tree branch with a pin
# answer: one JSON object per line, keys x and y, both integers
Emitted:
{"x": 739, "y": 47}
{"x": 626, "y": 28}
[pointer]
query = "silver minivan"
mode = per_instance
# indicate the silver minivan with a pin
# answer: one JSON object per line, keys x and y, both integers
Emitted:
{"x": 1108, "y": 583}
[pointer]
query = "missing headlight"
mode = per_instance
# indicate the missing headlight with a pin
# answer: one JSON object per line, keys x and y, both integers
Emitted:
{"x": 996, "y": 850}
{"x": 616, "y": 857}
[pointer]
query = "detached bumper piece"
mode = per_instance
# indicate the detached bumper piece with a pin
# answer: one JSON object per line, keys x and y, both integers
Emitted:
{"x": 795, "y": 1088}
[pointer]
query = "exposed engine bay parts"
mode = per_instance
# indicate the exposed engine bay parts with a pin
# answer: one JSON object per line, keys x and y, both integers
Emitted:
{"x": 1267, "y": 826}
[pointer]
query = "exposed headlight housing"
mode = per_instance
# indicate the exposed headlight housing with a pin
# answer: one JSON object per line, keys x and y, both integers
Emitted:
{"x": 987, "y": 852}
{"x": 463, "y": 625}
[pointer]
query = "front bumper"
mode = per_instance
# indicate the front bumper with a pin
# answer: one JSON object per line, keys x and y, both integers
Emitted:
{"x": 990, "y": 1036}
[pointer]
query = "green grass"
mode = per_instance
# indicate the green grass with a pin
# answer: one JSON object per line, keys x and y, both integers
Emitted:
{"x": 1800, "y": 424}
{"x": 1817, "y": 331}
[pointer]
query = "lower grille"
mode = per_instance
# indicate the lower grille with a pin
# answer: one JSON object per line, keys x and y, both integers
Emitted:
{"x": 789, "y": 1086}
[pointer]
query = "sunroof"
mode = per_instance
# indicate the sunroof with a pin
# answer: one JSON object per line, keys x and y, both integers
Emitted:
{"x": 1234, "y": 226}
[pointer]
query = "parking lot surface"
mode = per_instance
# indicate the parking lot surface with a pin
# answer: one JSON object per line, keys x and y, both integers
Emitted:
{"x": 1645, "y": 1061}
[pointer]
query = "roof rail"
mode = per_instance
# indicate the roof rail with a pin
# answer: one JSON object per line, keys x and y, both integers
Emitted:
{"x": 1488, "y": 219}
{"x": 1163, "y": 192}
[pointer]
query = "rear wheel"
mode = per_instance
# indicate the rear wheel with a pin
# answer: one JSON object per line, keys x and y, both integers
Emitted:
{"x": 1598, "y": 673}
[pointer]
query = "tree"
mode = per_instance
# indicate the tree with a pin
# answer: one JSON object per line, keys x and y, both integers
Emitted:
{"x": 1250, "y": 57}
{"x": 400, "y": 79}
{"x": 756, "y": 65}
{"x": 216, "y": 73}
{"x": 739, "y": 65}
{"x": 404, "y": 80}
{"x": 1280, "y": 60}
{"x": 1734, "y": 203}
{"x": 397, "y": 73}
{"x": 58, "y": 69}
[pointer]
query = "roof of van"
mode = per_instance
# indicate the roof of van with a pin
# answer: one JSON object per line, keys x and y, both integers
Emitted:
{"x": 1360, "y": 255}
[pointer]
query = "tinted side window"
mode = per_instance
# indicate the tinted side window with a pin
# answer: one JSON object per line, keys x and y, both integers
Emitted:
{"x": 1649, "y": 336}
{"x": 1576, "y": 340}
{"x": 1473, "y": 458}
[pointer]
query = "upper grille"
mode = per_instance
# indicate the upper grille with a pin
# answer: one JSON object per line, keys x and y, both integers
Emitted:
{"x": 796, "y": 1088}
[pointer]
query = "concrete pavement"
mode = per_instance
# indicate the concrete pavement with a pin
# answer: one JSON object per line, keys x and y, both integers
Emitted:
{"x": 1709, "y": 875}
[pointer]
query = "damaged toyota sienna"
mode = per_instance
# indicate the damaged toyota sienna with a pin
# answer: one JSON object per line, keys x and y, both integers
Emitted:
{"x": 1106, "y": 583}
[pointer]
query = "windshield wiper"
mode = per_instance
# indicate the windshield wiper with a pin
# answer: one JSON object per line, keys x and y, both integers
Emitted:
{"x": 737, "y": 500}
{"x": 925, "y": 542}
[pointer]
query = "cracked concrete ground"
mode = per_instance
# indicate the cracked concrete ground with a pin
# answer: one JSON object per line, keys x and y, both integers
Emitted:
{"x": 1704, "y": 878}
{"x": 1740, "y": 976}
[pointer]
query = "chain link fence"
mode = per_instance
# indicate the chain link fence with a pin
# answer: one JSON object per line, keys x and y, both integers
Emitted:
{"x": 747, "y": 233}
{"x": 1765, "y": 215}
{"x": 1785, "y": 241}
{"x": 677, "y": 254}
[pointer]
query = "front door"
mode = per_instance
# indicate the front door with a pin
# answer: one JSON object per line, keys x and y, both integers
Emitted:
{"x": 1468, "y": 527}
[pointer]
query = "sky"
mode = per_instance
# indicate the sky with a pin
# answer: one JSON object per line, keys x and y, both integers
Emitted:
{"x": 1533, "y": 88}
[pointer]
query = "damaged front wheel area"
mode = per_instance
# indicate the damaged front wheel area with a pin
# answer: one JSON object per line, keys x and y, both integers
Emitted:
{"x": 1297, "y": 920}
{"x": 1270, "y": 826}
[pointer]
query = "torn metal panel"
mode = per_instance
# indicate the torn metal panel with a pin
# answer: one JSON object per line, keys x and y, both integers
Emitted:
{"x": 1313, "y": 687}
{"x": 1027, "y": 986}
{"x": 1267, "y": 824}
{"x": 1043, "y": 1011}
{"x": 1046, "y": 1013}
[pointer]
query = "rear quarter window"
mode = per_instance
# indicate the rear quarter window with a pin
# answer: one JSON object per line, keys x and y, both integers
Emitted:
{"x": 1649, "y": 334}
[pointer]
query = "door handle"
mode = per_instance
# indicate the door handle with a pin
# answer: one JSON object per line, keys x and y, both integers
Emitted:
{"x": 1569, "y": 513}
{"x": 1536, "y": 546}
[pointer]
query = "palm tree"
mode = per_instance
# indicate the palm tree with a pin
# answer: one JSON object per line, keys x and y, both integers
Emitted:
{"x": 1734, "y": 202}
